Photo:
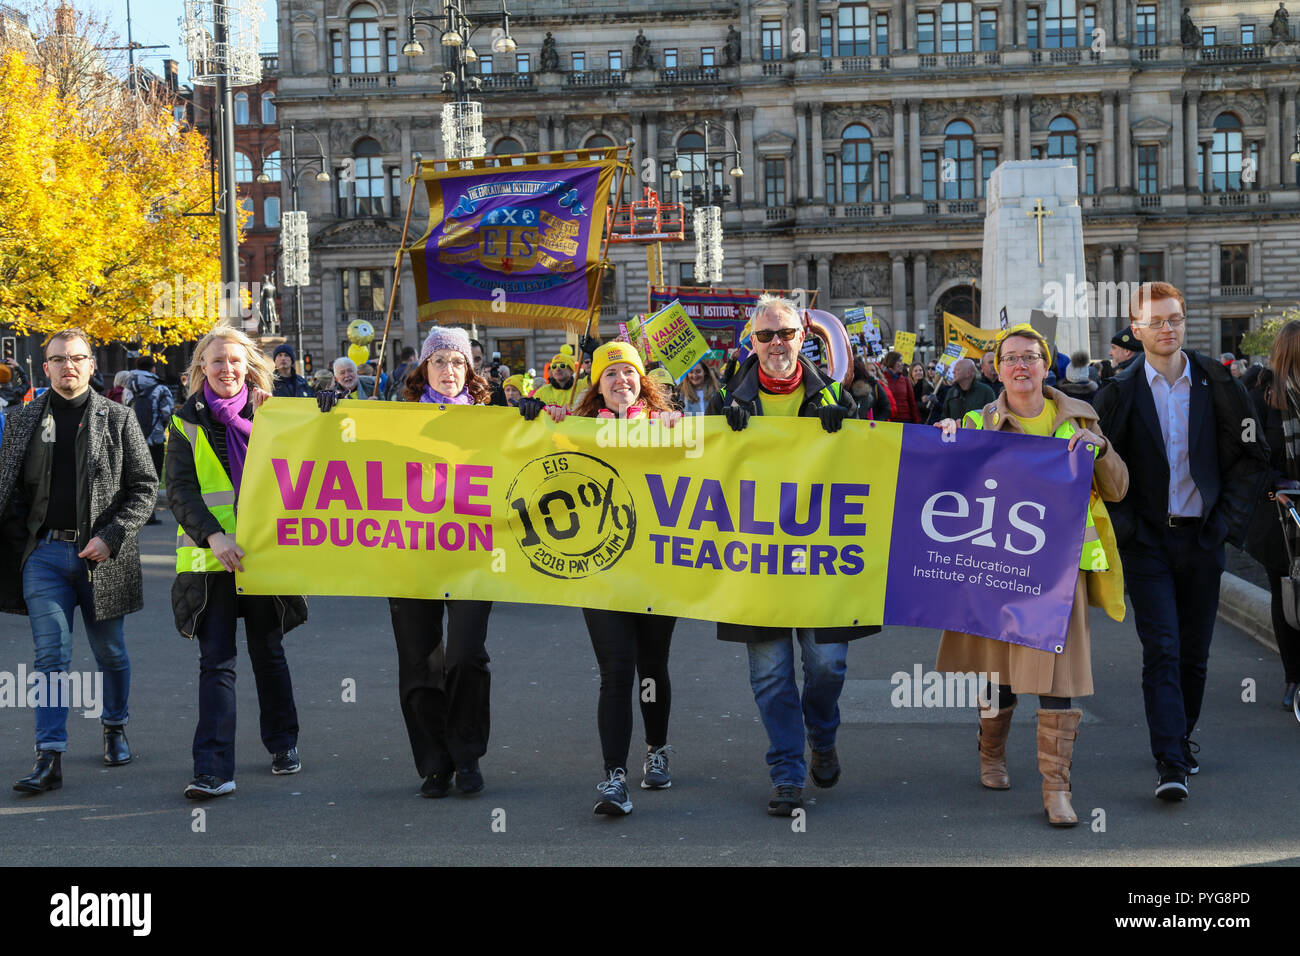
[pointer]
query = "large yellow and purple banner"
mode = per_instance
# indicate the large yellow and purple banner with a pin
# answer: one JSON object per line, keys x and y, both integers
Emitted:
{"x": 781, "y": 524}
{"x": 514, "y": 245}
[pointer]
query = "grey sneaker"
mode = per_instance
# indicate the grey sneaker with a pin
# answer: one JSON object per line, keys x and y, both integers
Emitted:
{"x": 656, "y": 770}
{"x": 613, "y": 795}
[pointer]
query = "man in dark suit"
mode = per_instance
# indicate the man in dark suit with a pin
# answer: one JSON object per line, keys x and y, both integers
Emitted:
{"x": 1197, "y": 462}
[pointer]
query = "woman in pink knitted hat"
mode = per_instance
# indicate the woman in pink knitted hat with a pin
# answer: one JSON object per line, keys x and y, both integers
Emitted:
{"x": 444, "y": 686}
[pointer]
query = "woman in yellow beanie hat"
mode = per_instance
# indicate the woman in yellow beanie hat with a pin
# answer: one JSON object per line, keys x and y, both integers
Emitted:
{"x": 627, "y": 645}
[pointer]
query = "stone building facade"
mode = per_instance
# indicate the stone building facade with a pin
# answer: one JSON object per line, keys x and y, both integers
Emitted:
{"x": 866, "y": 131}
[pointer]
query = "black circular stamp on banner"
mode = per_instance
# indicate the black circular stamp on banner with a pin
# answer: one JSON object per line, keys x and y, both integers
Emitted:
{"x": 571, "y": 514}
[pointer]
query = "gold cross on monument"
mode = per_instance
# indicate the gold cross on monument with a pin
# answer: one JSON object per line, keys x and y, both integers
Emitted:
{"x": 1039, "y": 212}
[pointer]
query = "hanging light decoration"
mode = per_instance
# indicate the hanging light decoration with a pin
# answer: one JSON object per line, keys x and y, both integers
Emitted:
{"x": 221, "y": 41}
{"x": 708, "y": 244}
{"x": 462, "y": 129}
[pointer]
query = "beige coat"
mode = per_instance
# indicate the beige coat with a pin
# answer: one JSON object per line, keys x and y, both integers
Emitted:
{"x": 1027, "y": 670}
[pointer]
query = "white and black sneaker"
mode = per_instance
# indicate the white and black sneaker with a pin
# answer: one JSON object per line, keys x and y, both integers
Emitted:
{"x": 613, "y": 795}
{"x": 1172, "y": 784}
{"x": 656, "y": 770}
{"x": 286, "y": 762}
{"x": 205, "y": 786}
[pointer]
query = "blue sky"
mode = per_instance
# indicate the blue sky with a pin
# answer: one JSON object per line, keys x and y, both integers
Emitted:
{"x": 157, "y": 21}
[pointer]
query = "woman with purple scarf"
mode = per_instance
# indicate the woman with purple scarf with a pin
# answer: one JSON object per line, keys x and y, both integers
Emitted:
{"x": 444, "y": 686}
{"x": 228, "y": 378}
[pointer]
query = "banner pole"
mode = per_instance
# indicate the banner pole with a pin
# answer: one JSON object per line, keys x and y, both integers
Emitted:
{"x": 397, "y": 278}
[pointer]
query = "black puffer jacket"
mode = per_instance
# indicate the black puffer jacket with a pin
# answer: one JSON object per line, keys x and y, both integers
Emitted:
{"x": 190, "y": 589}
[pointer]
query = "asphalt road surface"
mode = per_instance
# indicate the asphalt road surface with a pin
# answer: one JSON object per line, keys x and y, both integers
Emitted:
{"x": 910, "y": 791}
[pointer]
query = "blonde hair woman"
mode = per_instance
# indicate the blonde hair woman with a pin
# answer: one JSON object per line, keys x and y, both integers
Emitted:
{"x": 228, "y": 378}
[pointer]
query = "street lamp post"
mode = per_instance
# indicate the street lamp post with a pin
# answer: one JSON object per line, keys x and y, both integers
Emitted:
{"x": 707, "y": 200}
{"x": 455, "y": 30}
{"x": 291, "y": 274}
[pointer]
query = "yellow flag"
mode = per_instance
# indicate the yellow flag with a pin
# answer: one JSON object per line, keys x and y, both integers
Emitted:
{"x": 973, "y": 340}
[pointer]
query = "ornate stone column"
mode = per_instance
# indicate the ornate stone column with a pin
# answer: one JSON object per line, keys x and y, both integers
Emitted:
{"x": 1008, "y": 123}
{"x": 902, "y": 175}
{"x": 1124, "y": 153}
{"x": 1270, "y": 173}
{"x": 1131, "y": 264}
{"x": 818, "y": 163}
{"x": 1178, "y": 162}
{"x": 799, "y": 175}
{"x": 1107, "y": 142}
{"x": 824, "y": 281}
{"x": 898, "y": 290}
{"x": 1190, "y": 140}
{"x": 1106, "y": 318}
{"x": 749, "y": 182}
{"x": 1024, "y": 102}
{"x": 896, "y": 28}
{"x": 329, "y": 298}
{"x": 920, "y": 291}
{"x": 914, "y": 147}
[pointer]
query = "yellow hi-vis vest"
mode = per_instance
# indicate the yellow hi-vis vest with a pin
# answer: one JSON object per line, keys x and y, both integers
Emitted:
{"x": 829, "y": 395}
{"x": 1093, "y": 556}
{"x": 218, "y": 494}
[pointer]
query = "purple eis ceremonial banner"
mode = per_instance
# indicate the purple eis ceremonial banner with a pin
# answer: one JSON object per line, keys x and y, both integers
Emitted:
{"x": 514, "y": 245}
{"x": 997, "y": 544}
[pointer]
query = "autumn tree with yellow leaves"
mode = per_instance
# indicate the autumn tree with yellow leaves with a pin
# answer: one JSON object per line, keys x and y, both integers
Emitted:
{"x": 98, "y": 187}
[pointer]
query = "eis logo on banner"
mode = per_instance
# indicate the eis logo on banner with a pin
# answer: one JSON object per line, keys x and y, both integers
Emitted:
{"x": 948, "y": 517}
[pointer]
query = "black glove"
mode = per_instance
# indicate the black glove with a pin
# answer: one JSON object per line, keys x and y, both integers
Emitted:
{"x": 737, "y": 417}
{"x": 326, "y": 399}
{"x": 832, "y": 416}
{"x": 587, "y": 345}
{"x": 530, "y": 408}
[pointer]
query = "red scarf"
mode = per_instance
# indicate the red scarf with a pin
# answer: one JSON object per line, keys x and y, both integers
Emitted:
{"x": 780, "y": 386}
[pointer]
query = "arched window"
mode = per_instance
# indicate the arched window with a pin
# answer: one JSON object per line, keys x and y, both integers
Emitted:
{"x": 369, "y": 180}
{"x": 508, "y": 147}
{"x": 243, "y": 168}
{"x": 268, "y": 108}
{"x": 1225, "y": 154}
{"x": 271, "y": 166}
{"x": 1063, "y": 139}
{"x": 241, "y": 109}
{"x": 855, "y": 163}
{"x": 697, "y": 186}
{"x": 363, "y": 39}
{"x": 599, "y": 141}
{"x": 958, "y": 174}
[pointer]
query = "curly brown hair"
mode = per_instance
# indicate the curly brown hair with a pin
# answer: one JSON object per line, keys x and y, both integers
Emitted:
{"x": 418, "y": 377}
{"x": 652, "y": 397}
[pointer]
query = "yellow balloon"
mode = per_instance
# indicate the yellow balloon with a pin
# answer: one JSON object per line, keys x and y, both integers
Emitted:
{"x": 359, "y": 354}
{"x": 360, "y": 332}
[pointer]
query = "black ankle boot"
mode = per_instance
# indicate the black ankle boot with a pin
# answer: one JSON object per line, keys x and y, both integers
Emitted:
{"x": 46, "y": 775}
{"x": 116, "y": 750}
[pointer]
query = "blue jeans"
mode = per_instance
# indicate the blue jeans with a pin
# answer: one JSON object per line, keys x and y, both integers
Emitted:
{"x": 55, "y": 582}
{"x": 1174, "y": 590}
{"x": 784, "y": 714}
{"x": 214, "y": 737}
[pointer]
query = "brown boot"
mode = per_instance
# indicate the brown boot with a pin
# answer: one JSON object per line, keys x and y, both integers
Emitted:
{"x": 1057, "y": 730}
{"x": 993, "y": 748}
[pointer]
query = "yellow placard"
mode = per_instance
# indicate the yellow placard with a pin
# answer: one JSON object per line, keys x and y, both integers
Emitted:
{"x": 905, "y": 345}
{"x": 674, "y": 340}
{"x": 973, "y": 340}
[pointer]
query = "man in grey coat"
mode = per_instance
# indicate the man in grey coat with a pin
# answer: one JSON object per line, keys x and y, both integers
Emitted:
{"x": 76, "y": 485}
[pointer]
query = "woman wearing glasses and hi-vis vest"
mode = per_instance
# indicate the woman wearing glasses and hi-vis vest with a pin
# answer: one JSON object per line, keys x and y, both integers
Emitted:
{"x": 1026, "y": 406}
{"x": 229, "y": 376}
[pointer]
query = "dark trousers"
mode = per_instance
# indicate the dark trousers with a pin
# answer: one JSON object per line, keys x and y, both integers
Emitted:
{"x": 1288, "y": 638}
{"x": 214, "y": 738}
{"x": 444, "y": 686}
{"x": 156, "y": 453}
{"x": 1174, "y": 589}
{"x": 627, "y": 645}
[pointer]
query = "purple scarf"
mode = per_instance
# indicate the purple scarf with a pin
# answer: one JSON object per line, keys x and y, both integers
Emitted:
{"x": 238, "y": 428}
{"x": 429, "y": 395}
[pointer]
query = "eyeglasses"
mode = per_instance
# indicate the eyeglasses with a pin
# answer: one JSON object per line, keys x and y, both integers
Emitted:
{"x": 1028, "y": 361}
{"x": 765, "y": 335}
{"x": 1174, "y": 322}
{"x": 58, "y": 360}
{"x": 455, "y": 362}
